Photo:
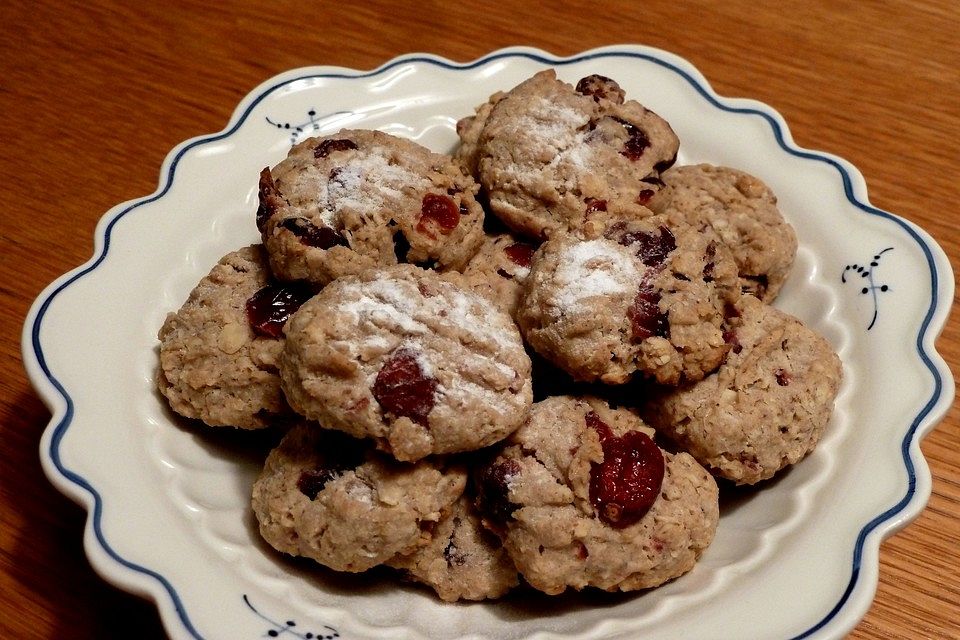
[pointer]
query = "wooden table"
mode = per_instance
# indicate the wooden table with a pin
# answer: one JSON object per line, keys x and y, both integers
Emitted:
{"x": 94, "y": 94}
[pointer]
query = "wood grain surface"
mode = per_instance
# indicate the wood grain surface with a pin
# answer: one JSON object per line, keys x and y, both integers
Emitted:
{"x": 94, "y": 94}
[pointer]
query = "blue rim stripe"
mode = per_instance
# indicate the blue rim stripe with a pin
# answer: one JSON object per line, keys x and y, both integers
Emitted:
{"x": 867, "y": 529}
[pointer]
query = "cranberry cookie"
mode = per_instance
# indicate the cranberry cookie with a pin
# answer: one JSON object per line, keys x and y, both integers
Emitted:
{"x": 767, "y": 405}
{"x": 463, "y": 561}
{"x": 582, "y": 497}
{"x": 406, "y": 358}
{"x": 325, "y": 496}
{"x": 743, "y": 212}
{"x": 360, "y": 199}
{"x": 218, "y": 353}
{"x": 549, "y": 153}
{"x": 643, "y": 297}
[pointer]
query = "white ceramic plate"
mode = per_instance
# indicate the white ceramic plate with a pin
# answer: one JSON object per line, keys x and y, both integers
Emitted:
{"x": 168, "y": 505}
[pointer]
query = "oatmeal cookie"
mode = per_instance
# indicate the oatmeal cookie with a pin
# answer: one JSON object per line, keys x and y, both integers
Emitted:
{"x": 360, "y": 199}
{"x": 218, "y": 353}
{"x": 644, "y": 297}
{"x": 767, "y": 405}
{"x": 406, "y": 358}
{"x": 463, "y": 561}
{"x": 743, "y": 212}
{"x": 326, "y": 496}
{"x": 549, "y": 153}
{"x": 582, "y": 497}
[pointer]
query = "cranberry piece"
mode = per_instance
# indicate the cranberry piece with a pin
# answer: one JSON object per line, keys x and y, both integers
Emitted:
{"x": 595, "y": 204}
{"x": 651, "y": 248}
{"x": 644, "y": 196}
{"x": 599, "y": 87}
{"x": 646, "y": 319}
{"x": 493, "y": 490}
{"x": 326, "y": 147}
{"x": 270, "y": 307}
{"x": 339, "y": 453}
{"x": 312, "y": 235}
{"x": 439, "y": 210}
{"x": 626, "y": 484}
{"x": 637, "y": 141}
{"x": 403, "y": 388}
{"x": 520, "y": 253}
{"x": 783, "y": 377}
{"x": 269, "y": 198}
{"x": 730, "y": 337}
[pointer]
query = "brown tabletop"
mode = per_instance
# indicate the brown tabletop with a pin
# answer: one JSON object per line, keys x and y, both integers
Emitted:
{"x": 94, "y": 94}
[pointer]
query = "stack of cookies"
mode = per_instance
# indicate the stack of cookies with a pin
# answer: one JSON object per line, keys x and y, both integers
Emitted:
{"x": 528, "y": 361}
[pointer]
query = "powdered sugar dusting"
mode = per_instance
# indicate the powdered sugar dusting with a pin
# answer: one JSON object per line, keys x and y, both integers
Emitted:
{"x": 593, "y": 268}
{"x": 365, "y": 182}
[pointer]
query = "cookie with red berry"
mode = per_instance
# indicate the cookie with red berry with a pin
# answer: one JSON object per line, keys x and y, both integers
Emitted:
{"x": 547, "y": 153}
{"x": 404, "y": 357}
{"x": 359, "y": 199}
{"x": 581, "y": 496}
{"x": 219, "y": 351}
{"x": 639, "y": 296}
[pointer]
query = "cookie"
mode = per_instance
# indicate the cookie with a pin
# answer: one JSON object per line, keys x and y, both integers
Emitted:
{"x": 468, "y": 130}
{"x": 218, "y": 353}
{"x": 643, "y": 297}
{"x": 767, "y": 405}
{"x": 462, "y": 561}
{"x": 582, "y": 497}
{"x": 499, "y": 269}
{"x": 326, "y": 496}
{"x": 743, "y": 212}
{"x": 361, "y": 199}
{"x": 549, "y": 153}
{"x": 406, "y": 358}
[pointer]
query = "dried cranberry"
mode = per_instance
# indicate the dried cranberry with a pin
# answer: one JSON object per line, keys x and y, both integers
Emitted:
{"x": 270, "y": 307}
{"x": 637, "y": 141}
{"x": 783, "y": 377}
{"x": 493, "y": 490}
{"x": 325, "y": 147}
{"x": 269, "y": 198}
{"x": 441, "y": 211}
{"x": 336, "y": 453}
{"x": 652, "y": 248}
{"x": 595, "y": 204}
{"x": 403, "y": 388}
{"x": 520, "y": 253}
{"x": 644, "y": 196}
{"x": 626, "y": 484}
{"x": 599, "y": 87}
{"x": 730, "y": 337}
{"x": 646, "y": 319}
{"x": 312, "y": 235}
